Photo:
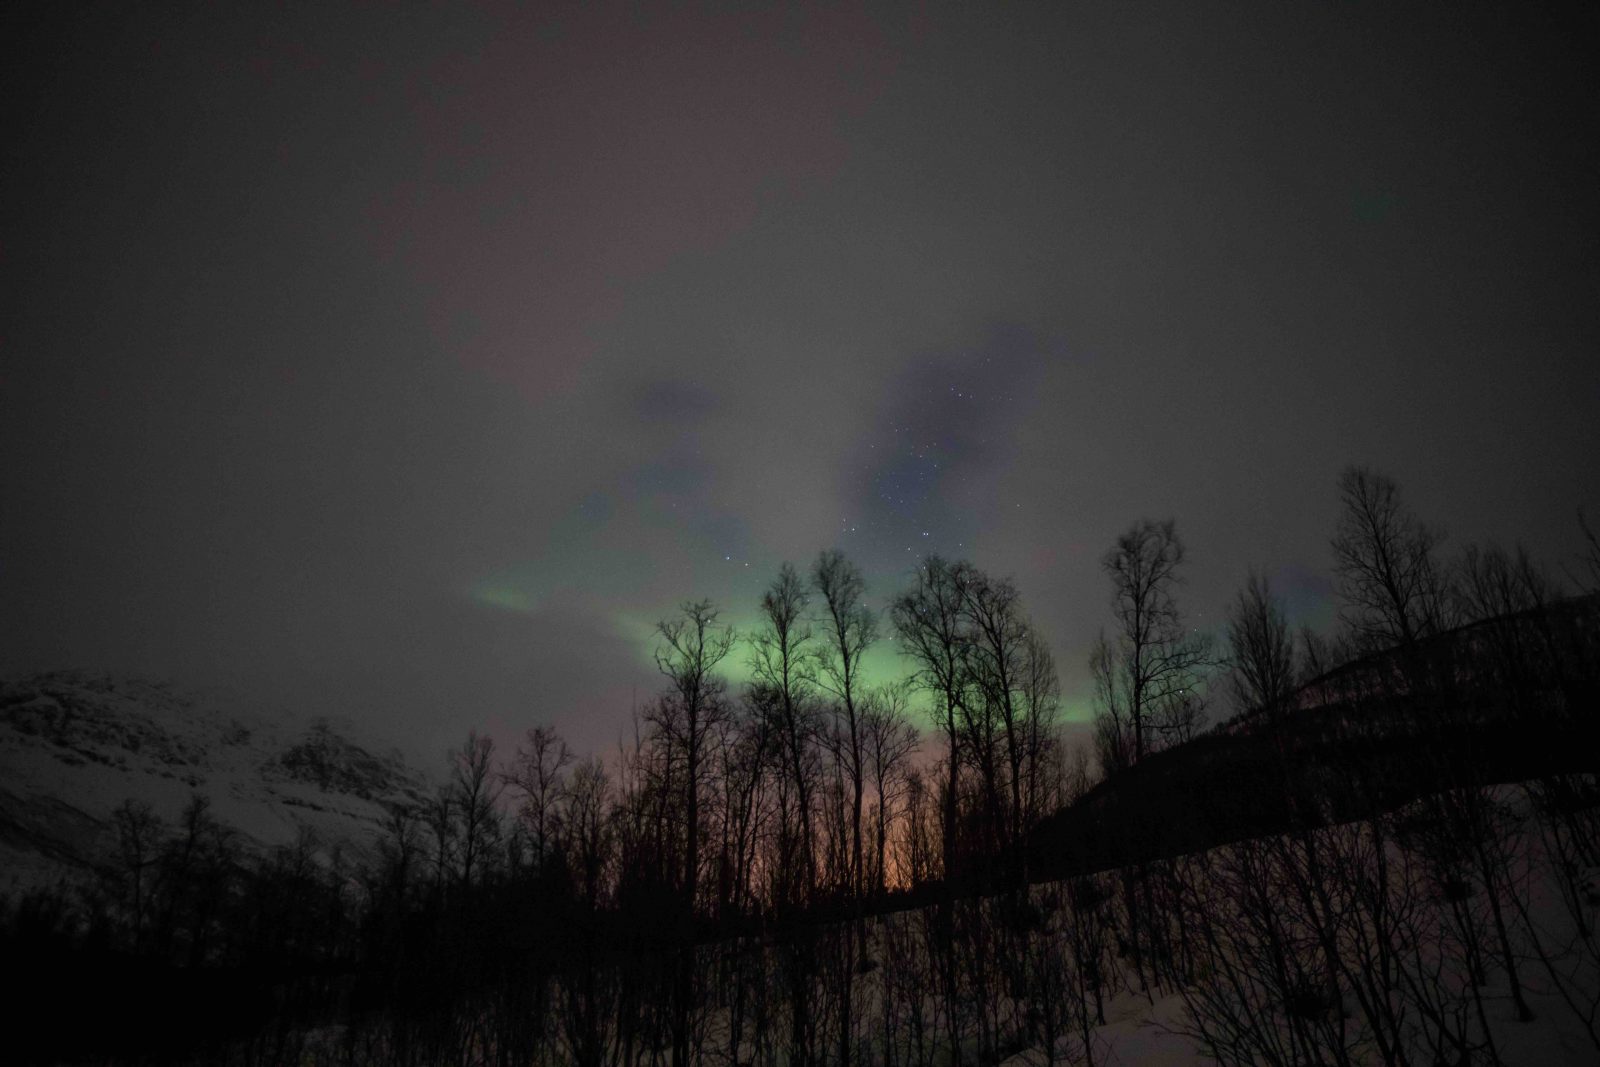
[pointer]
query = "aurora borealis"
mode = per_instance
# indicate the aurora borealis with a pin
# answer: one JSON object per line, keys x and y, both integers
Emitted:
{"x": 408, "y": 364}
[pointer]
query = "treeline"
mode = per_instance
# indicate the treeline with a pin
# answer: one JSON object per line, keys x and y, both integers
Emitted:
{"x": 791, "y": 872}
{"x": 1424, "y": 862}
{"x": 185, "y": 941}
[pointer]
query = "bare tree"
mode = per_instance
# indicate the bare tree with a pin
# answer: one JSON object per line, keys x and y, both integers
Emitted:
{"x": 784, "y": 694}
{"x": 1147, "y": 681}
{"x": 997, "y": 649}
{"x": 918, "y": 845}
{"x": 685, "y": 722}
{"x": 1077, "y": 773}
{"x": 139, "y": 833}
{"x": 399, "y": 850}
{"x": 1386, "y": 566}
{"x": 538, "y": 772}
{"x": 780, "y": 661}
{"x": 928, "y": 620}
{"x": 1113, "y": 725}
{"x": 744, "y": 756}
{"x": 474, "y": 788}
{"x": 440, "y": 816}
{"x": 1492, "y": 582}
{"x": 849, "y": 628}
{"x": 1317, "y": 654}
{"x": 1041, "y": 698}
{"x": 1148, "y": 674}
{"x": 1261, "y": 650}
{"x": 687, "y": 716}
{"x": 1591, "y": 554}
{"x": 890, "y": 738}
{"x": 587, "y": 796}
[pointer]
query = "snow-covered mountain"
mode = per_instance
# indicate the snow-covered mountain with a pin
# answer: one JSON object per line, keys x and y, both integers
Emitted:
{"x": 74, "y": 746}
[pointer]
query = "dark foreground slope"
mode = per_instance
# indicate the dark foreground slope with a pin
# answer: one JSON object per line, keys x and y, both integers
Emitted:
{"x": 1509, "y": 699}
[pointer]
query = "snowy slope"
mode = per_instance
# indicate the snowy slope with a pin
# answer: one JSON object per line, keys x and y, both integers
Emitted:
{"x": 74, "y": 746}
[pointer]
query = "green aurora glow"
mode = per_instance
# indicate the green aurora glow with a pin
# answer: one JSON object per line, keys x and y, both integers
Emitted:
{"x": 882, "y": 665}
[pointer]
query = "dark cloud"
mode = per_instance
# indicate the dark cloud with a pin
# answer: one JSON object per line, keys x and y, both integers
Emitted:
{"x": 675, "y": 402}
{"x": 414, "y": 362}
{"x": 927, "y": 459}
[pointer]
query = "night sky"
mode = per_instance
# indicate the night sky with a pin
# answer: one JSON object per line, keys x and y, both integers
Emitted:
{"x": 407, "y": 363}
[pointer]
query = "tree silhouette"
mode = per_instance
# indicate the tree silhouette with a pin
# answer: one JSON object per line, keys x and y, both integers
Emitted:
{"x": 538, "y": 772}
{"x": 474, "y": 790}
{"x": 1260, "y": 650}
{"x": 685, "y": 720}
{"x": 928, "y": 620}
{"x": 1385, "y": 565}
{"x": 1148, "y": 673}
{"x": 780, "y": 660}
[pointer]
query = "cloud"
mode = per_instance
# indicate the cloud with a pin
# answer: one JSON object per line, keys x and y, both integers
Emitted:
{"x": 564, "y": 156}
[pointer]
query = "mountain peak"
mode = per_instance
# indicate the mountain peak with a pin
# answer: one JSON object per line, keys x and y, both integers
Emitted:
{"x": 74, "y": 745}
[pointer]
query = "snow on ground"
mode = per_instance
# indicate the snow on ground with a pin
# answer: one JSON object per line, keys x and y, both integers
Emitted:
{"x": 1156, "y": 1029}
{"x": 1139, "y": 1032}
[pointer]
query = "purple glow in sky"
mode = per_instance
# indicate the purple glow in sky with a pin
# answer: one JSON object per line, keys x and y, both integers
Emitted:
{"x": 407, "y": 364}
